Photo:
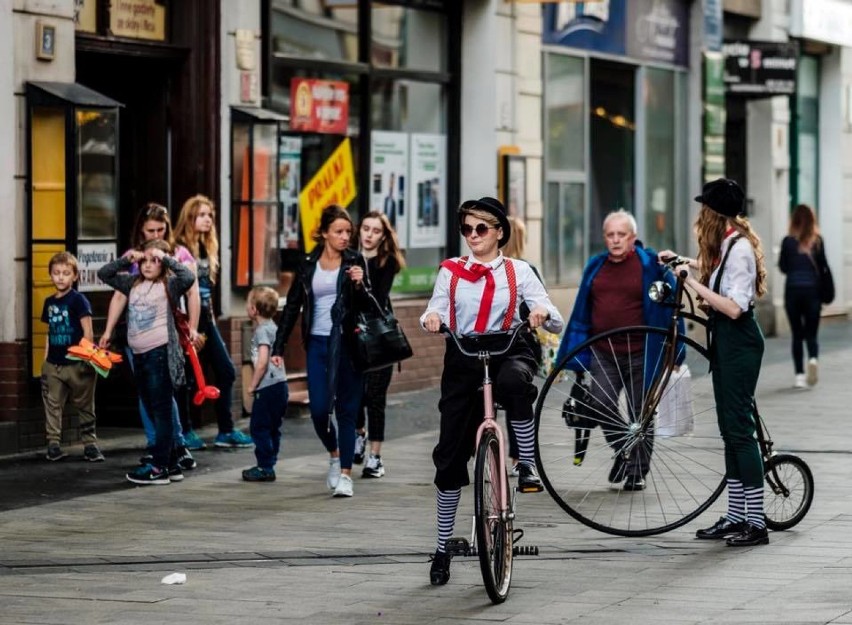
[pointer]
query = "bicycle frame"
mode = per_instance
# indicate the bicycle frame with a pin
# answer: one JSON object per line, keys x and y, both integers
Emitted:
{"x": 489, "y": 422}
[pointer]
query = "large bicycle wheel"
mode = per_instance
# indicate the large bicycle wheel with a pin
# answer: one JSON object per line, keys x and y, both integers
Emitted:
{"x": 605, "y": 463}
{"x": 493, "y": 532}
{"x": 789, "y": 491}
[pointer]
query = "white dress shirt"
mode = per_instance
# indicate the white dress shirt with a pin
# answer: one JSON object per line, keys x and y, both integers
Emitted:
{"x": 469, "y": 295}
{"x": 740, "y": 273}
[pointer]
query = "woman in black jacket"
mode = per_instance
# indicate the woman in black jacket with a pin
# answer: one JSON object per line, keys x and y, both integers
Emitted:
{"x": 798, "y": 260}
{"x": 380, "y": 247}
{"x": 326, "y": 291}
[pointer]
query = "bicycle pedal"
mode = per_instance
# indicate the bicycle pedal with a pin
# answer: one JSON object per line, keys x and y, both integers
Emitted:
{"x": 458, "y": 547}
{"x": 525, "y": 550}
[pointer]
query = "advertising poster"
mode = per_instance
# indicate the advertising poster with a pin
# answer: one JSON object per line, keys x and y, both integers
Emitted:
{"x": 319, "y": 106}
{"x": 427, "y": 191}
{"x": 388, "y": 173}
{"x": 289, "y": 187}
{"x": 334, "y": 183}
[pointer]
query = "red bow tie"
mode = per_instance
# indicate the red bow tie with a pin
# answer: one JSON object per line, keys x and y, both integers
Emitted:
{"x": 474, "y": 274}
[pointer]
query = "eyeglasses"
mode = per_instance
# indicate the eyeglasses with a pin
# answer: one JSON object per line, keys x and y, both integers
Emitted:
{"x": 480, "y": 229}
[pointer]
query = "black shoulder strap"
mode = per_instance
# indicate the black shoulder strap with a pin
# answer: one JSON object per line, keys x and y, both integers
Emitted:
{"x": 717, "y": 283}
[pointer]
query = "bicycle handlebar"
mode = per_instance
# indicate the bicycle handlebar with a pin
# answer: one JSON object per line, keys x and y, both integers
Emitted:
{"x": 514, "y": 335}
{"x": 672, "y": 262}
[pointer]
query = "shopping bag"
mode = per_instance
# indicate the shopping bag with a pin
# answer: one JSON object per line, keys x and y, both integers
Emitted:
{"x": 674, "y": 413}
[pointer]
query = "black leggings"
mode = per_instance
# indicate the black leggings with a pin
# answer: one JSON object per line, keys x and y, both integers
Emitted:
{"x": 803, "y": 308}
{"x": 372, "y": 412}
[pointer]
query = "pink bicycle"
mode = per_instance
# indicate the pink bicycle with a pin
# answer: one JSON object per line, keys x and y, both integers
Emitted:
{"x": 493, "y": 537}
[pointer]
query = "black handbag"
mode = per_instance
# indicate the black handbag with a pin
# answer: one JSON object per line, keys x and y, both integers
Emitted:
{"x": 377, "y": 340}
{"x": 826, "y": 280}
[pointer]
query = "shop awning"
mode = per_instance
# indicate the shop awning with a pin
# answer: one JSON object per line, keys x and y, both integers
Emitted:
{"x": 259, "y": 114}
{"x": 47, "y": 93}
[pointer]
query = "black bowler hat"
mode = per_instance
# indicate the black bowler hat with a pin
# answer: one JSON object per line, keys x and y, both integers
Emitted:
{"x": 496, "y": 208}
{"x": 724, "y": 196}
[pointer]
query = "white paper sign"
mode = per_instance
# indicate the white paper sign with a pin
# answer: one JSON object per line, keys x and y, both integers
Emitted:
{"x": 90, "y": 258}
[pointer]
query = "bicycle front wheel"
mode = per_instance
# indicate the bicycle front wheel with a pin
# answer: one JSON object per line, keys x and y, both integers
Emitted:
{"x": 789, "y": 491}
{"x": 620, "y": 456}
{"x": 493, "y": 529}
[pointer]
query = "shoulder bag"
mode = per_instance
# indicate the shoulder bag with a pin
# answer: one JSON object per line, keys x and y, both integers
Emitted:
{"x": 377, "y": 339}
{"x": 826, "y": 280}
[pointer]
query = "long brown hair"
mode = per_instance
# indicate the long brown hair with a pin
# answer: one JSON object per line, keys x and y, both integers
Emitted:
{"x": 803, "y": 226}
{"x": 186, "y": 235}
{"x": 152, "y": 212}
{"x": 389, "y": 247}
{"x": 710, "y": 228}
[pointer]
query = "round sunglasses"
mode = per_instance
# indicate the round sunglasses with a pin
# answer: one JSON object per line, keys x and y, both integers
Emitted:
{"x": 480, "y": 229}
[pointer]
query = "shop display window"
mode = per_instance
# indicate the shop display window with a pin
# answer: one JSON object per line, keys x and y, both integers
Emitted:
{"x": 404, "y": 38}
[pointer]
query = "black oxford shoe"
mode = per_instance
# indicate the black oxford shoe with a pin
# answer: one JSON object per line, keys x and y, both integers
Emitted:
{"x": 439, "y": 574}
{"x": 750, "y": 536}
{"x": 528, "y": 479}
{"x": 721, "y": 529}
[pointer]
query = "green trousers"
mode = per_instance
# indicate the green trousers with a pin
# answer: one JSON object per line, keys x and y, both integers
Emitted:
{"x": 735, "y": 355}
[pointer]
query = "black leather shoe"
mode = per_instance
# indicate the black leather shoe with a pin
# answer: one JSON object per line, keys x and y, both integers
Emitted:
{"x": 439, "y": 574}
{"x": 528, "y": 479}
{"x": 617, "y": 472}
{"x": 634, "y": 482}
{"x": 721, "y": 529}
{"x": 750, "y": 536}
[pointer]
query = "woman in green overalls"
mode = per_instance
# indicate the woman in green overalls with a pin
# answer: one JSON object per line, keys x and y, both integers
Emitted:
{"x": 731, "y": 276}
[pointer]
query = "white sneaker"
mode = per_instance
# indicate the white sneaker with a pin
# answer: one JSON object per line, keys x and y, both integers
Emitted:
{"x": 813, "y": 372}
{"x": 360, "y": 448}
{"x": 333, "y": 473}
{"x": 374, "y": 467}
{"x": 800, "y": 381}
{"x": 344, "y": 487}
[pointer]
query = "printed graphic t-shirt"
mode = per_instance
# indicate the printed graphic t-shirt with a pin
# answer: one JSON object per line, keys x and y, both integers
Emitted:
{"x": 62, "y": 316}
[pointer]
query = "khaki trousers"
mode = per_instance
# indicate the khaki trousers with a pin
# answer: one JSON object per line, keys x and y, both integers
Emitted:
{"x": 68, "y": 384}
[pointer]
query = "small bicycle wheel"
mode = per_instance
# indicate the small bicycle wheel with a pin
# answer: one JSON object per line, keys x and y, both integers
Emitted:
{"x": 789, "y": 491}
{"x": 493, "y": 531}
{"x": 609, "y": 466}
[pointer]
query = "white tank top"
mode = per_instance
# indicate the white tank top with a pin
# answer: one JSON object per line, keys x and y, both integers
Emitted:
{"x": 324, "y": 286}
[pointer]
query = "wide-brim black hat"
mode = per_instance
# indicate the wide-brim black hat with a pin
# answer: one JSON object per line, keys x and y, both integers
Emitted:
{"x": 495, "y": 207}
{"x": 723, "y": 195}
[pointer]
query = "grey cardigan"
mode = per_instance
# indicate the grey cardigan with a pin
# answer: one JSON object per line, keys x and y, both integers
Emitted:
{"x": 116, "y": 275}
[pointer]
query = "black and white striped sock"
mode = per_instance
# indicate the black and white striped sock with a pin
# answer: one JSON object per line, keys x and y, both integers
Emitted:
{"x": 754, "y": 506}
{"x": 448, "y": 503}
{"x": 736, "y": 501}
{"x": 525, "y": 435}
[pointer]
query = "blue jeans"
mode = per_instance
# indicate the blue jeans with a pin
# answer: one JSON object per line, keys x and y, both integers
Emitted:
{"x": 155, "y": 389}
{"x": 350, "y": 385}
{"x": 267, "y": 413}
{"x": 216, "y": 353}
{"x": 147, "y": 423}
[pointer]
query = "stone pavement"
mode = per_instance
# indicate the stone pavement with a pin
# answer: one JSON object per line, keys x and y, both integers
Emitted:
{"x": 287, "y": 552}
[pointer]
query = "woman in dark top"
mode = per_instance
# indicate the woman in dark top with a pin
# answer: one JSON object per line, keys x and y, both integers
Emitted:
{"x": 801, "y": 292}
{"x": 327, "y": 291}
{"x": 380, "y": 247}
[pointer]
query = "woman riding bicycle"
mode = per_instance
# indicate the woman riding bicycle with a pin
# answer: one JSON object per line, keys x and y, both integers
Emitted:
{"x": 732, "y": 276}
{"x": 474, "y": 296}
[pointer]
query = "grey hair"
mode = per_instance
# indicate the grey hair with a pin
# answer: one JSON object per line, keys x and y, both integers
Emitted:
{"x": 621, "y": 213}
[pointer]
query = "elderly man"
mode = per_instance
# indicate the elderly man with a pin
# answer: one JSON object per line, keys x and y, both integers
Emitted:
{"x": 613, "y": 294}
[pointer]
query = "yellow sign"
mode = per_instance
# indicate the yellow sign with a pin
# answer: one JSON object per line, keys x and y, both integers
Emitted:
{"x": 139, "y": 19}
{"x": 334, "y": 183}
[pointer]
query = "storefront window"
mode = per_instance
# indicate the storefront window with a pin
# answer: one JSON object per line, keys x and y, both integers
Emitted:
{"x": 306, "y": 28}
{"x": 564, "y": 233}
{"x": 806, "y": 142}
{"x": 612, "y": 142}
{"x": 564, "y": 101}
{"x": 97, "y": 217}
{"x": 660, "y": 118}
{"x": 408, "y": 39}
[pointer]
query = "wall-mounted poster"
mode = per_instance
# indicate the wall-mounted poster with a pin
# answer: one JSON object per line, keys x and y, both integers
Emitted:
{"x": 90, "y": 258}
{"x": 388, "y": 173}
{"x": 289, "y": 187}
{"x": 427, "y": 191}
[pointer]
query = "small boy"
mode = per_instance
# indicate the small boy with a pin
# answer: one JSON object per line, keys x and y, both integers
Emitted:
{"x": 69, "y": 318}
{"x": 268, "y": 384}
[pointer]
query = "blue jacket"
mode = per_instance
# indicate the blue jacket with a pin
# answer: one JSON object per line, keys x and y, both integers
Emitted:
{"x": 579, "y": 326}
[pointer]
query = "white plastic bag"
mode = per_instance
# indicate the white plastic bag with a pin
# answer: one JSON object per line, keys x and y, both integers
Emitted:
{"x": 674, "y": 414}
{"x": 174, "y": 578}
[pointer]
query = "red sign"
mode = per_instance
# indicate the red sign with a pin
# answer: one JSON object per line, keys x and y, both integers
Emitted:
{"x": 319, "y": 105}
